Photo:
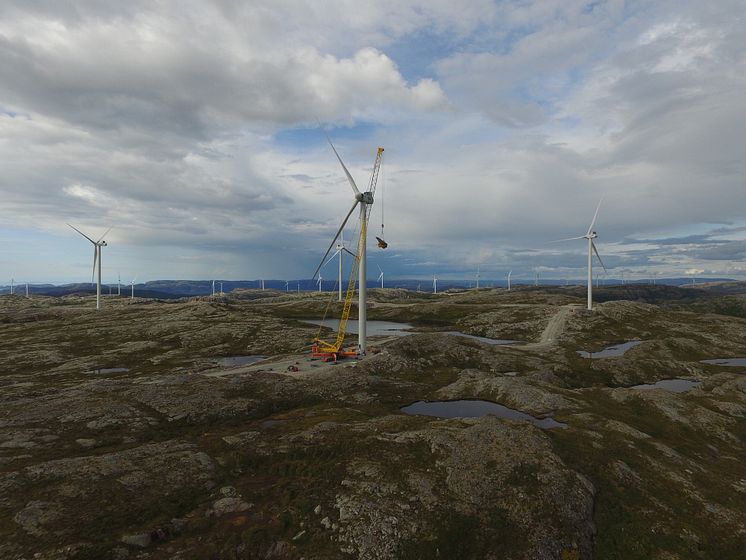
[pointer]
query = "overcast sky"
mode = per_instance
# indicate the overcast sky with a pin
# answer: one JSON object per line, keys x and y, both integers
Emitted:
{"x": 191, "y": 127}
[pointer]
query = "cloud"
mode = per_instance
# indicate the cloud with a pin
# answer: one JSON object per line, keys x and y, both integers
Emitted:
{"x": 170, "y": 120}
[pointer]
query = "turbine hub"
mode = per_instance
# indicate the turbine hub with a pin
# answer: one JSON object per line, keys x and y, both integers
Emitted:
{"x": 366, "y": 197}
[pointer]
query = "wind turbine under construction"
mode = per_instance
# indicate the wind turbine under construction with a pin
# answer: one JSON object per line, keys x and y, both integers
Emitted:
{"x": 590, "y": 236}
{"x": 365, "y": 200}
{"x": 97, "y": 246}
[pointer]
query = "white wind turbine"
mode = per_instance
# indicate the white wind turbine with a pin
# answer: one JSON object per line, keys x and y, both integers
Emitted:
{"x": 477, "y": 276}
{"x": 365, "y": 200}
{"x": 132, "y": 294}
{"x": 319, "y": 283}
{"x": 435, "y": 284}
{"x": 509, "y": 273}
{"x": 97, "y": 246}
{"x": 380, "y": 276}
{"x": 590, "y": 236}
{"x": 340, "y": 249}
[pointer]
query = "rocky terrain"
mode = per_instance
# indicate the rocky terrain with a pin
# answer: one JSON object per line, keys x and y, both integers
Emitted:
{"x": 123, "y": 435}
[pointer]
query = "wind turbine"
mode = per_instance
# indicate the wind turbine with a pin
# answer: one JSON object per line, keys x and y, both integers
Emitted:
{"x": 380, "y": 276}
{"x": 132, "y": 294}
{"x": 477, "y": 276}
{"x": 319, "y": 283}
{"x": 213, "y": 288}
{"x": 97, "y": 246}
{"x": 119, "y": 284}
{"x": 287, "y": 285}
{"x": 590, "y": 236}
{"x": 12, "y": 286}
{"x": 340, "y": 249}
{"x": 365, "y": 200}
{"x": 26, "y": 289}
{"x": 509, "y": 273}
{"x": 435, "y": 284}
{"x": 262, "y": 284}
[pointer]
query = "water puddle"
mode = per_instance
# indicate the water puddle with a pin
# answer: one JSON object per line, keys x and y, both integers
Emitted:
{"x": 611, "y": 351}
{"x": 235, "y": 361}
{"x": 672, "y": 385}
{"x": 476, "y": 409}
{"x": 106, "y": 371}
{"x": 730, "y": 362}
{"x": 493, "y": 341}
{"x": 375, "y": 328}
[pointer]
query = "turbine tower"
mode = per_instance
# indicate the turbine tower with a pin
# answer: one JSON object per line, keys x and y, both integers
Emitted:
{"x": 365, "y": 200}
{"x": 132, "y": 294}
{"x": 97, "y": 246}
{"x": 509, "y": 273}
{"x": 590, "y": 236}
{"x": 435, "y": 284}
{"x": 477, "y": 276}
{"x": 319, "y": 283}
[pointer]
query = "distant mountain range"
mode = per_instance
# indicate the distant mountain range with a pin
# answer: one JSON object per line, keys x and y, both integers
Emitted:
{"x": 170, "y": 289}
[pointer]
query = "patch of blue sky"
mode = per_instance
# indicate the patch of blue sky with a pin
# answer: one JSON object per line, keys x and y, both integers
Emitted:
{"x": 308, "y": 137}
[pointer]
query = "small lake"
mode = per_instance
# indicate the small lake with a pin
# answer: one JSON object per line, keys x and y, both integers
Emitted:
{"x": 475, "y": 409}
{"x": 375, "y": 328}
{"x": 493, "y": 341}
{"x": 235, "y": 361}
{"x": 106, "y": 371}
{"x": 731, "y": 362}
{"x": 611, "y": 351}
{"x": 672, "y": 385}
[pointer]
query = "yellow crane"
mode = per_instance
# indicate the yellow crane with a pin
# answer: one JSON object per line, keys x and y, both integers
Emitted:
{"x": 331, "y": 351}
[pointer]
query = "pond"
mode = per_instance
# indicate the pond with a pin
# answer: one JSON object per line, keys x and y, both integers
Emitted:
{"x": 730, "y": 362}
{"x": 611, "y": 351}
{"x": 672, "y": 385}
{"x": 493, "y": 341}
{"x": 235, "y": 361}
{"x": 472, "y": 408}
{"x": 375, "y": 328}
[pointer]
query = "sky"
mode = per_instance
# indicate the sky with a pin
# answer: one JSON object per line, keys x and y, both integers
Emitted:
{"x": 197, "y": 130}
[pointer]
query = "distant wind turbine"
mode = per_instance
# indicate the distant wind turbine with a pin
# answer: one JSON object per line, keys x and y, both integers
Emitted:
{"x": 477, "y": 276}
{"x": 132, "y": 294}
{"x": 340, "y": 250}
{"x": 319, "y": 283}
{"x": 435, "y": 284}
{"x": 590, "y": 236}
{"x": 287, "y": 285}
{"x": 380, "y": 276}
{"x": 97, "y": 246}
{"x": 509, "y": 273}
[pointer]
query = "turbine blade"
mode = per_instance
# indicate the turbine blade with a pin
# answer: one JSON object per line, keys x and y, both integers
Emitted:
{"x": 344, "y": 223}
{"x": 83, "y": 234}
{"x": 349, "y": 177}
{"x": 346, "y": 250}
{"x": 379, "y": 268}
{"x": 104, "y": 235}
{"x": 593, "y": 223}
{"x": 330, "y": 259}
{"x": 567, "y": 239}
{"x": 593, "y": 245}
